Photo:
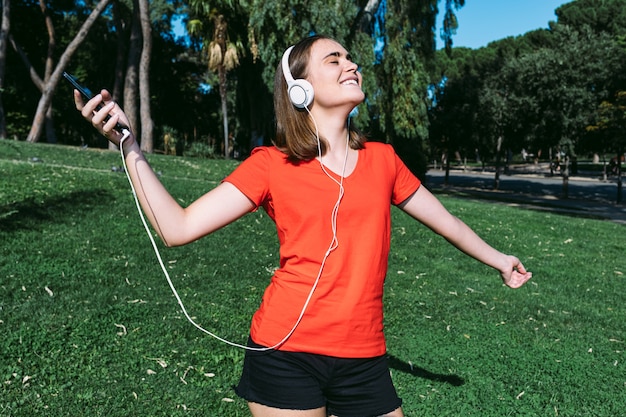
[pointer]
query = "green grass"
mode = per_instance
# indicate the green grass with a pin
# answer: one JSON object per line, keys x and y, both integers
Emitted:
{"x": 89, "y": 325}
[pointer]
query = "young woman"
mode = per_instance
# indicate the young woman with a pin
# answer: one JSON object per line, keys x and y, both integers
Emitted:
{"x": 316, "y": 344}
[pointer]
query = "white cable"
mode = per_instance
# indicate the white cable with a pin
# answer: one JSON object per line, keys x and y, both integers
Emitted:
{"x": 333, "y": 219}
{"x": 333, "y": 245}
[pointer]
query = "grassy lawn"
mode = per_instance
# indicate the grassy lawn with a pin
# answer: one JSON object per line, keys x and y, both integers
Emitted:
{"x": 90, "y": 326}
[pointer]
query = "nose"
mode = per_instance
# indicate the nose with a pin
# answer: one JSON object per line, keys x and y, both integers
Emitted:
{"x": 351, "y": 66}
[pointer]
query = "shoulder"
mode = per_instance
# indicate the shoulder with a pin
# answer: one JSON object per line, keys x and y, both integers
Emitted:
{"x": 268, "y": 152}
{"x": 263, "y": 158}
{"x": 377, "y": 146}
{"x": 262, "y": 162}
{"x": 379, "y": 149}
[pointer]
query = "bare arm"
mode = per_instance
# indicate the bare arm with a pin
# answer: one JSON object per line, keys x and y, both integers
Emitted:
{"x": 424, "y": 207}
{"x": 174, "y": 224}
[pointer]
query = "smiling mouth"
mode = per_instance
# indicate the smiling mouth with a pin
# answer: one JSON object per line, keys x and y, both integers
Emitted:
{"x": 350, "y": 82}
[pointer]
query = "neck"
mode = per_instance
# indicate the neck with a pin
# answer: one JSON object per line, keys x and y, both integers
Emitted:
{"x": 334, "y": 129}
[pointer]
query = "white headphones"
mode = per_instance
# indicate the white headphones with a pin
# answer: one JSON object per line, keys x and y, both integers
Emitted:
{"x": 300, "y": 90}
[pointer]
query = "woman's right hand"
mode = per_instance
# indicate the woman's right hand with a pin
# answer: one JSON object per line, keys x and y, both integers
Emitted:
{"x": 98, "y": 118}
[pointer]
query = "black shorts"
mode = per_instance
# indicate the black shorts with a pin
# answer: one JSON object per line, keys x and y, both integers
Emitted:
{"x": 305, "y": 381}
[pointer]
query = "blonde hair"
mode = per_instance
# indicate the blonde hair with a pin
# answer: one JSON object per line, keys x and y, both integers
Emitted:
{"x": 295, "y": 131}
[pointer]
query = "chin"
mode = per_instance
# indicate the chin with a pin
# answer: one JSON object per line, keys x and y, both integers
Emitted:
{"x": 361, "y": 99}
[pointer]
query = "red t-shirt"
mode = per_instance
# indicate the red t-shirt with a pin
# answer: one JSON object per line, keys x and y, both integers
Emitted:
{"x": 345, "y": 315}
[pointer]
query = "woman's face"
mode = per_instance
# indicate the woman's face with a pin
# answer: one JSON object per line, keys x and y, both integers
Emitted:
{"x": 333, "y": 75}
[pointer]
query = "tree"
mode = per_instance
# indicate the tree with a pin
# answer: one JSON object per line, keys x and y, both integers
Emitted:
{"x": 393, "y": 41}
{"x": 147, "y": 126}
{"x": 610, "y": 123}
{"x": 131, "y": 78}
{"x": 397, "y": 103}
{"x": 566, "y": 83}
{"x": 552, "y": 93}
{"x": 606, "y": 16}
{"x": 222, "y": 55}
{"x": 53, "y": 74}
{"x": 456, "y": 93}
{"x": 260, "y": 30}
{"x": 4, "y": 35}
{"x": 450, "y": 22}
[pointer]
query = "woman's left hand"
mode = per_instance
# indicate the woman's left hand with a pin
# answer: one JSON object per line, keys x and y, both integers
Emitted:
{"x": 514, "y": 275}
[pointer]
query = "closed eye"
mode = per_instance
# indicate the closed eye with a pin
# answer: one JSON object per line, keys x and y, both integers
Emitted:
{"x": 334, "y": 58}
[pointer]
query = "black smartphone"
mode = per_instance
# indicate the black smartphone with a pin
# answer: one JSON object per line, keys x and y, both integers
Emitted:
{"x": 87, "y": 94}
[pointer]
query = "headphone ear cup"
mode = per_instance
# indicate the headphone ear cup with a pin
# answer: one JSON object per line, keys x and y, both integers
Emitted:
{"x": 301, "y": 93}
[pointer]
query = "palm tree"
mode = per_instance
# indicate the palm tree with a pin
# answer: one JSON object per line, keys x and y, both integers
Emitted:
{"x": 222, "y": 56}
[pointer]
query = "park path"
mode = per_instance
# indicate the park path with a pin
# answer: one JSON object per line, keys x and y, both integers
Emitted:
{"x": 534, "y": 188}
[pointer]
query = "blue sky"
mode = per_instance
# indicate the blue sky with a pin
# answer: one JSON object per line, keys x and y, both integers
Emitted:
{"x": 483, "y": 21}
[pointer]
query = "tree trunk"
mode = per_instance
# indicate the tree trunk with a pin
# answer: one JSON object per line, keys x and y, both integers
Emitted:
{"x": 619, "y": 176}
{"x": 44, "y": 119}
{"x": 51, "y": 136}
{"x": 446, "y": 177}
{"x": 496, "y": 181}
{"x": 56, "y": 74}
{"x": 565, "y": 174}
{"x": 49, "y": 67}
{"x": 121, "y": 31}
{"x": 366, "y": 15}
{"x": 220, "y": 36}
{"x": 147, "y": 126}
{"x": 4, "y": 36}
{"x": 222, "y": 77}
{"x": 131, "y": 88}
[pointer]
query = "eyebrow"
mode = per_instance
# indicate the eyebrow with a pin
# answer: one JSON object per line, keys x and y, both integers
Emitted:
{"x": 338, "y": 55}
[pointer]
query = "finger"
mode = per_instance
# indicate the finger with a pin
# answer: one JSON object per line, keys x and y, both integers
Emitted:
{"x": 520, "y": 268}
{"x": 523, "y": 279}
{"x": 111, "y": 124}
{"x": 78, "y": 100}
{"x": 516, "y": 279}
{"x": 90, "y": 107}
{"x": 106, "y": 96}
{"x": 101, "y": 116}
{"x": 514, "y": 283}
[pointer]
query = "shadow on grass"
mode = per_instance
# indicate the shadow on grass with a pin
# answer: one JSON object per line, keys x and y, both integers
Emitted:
{"x": 30, "y": 214}
{"x": 400, "y": 365}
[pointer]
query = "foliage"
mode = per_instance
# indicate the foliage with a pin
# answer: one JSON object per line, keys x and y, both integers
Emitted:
{"x": 536, "y": 92}
{"x": 607, "y": 16}
{"x": 563, "y": 86}
{"x": 396, "y": 102}
{"x": 94, "y": 65}
{"x": 401, "y": 75}
{"x": 200, "y": 149}
{"x": 220, "y": 51}
{"x": 277, "y": 25}
{"x": 610, "y": 121}
{"x": 90, "y": 326}
{"x": 172, "y": 141}
{"x": 260, "y": 31}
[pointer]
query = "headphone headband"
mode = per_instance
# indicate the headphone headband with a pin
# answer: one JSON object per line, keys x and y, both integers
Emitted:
{"x": 285, "y": 64}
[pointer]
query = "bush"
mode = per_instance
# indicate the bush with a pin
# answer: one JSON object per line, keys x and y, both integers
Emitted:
{"x": 200, "y": 150}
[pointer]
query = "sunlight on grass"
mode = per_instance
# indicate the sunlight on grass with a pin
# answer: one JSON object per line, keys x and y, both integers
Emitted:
{"x": 90, "y": 326}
